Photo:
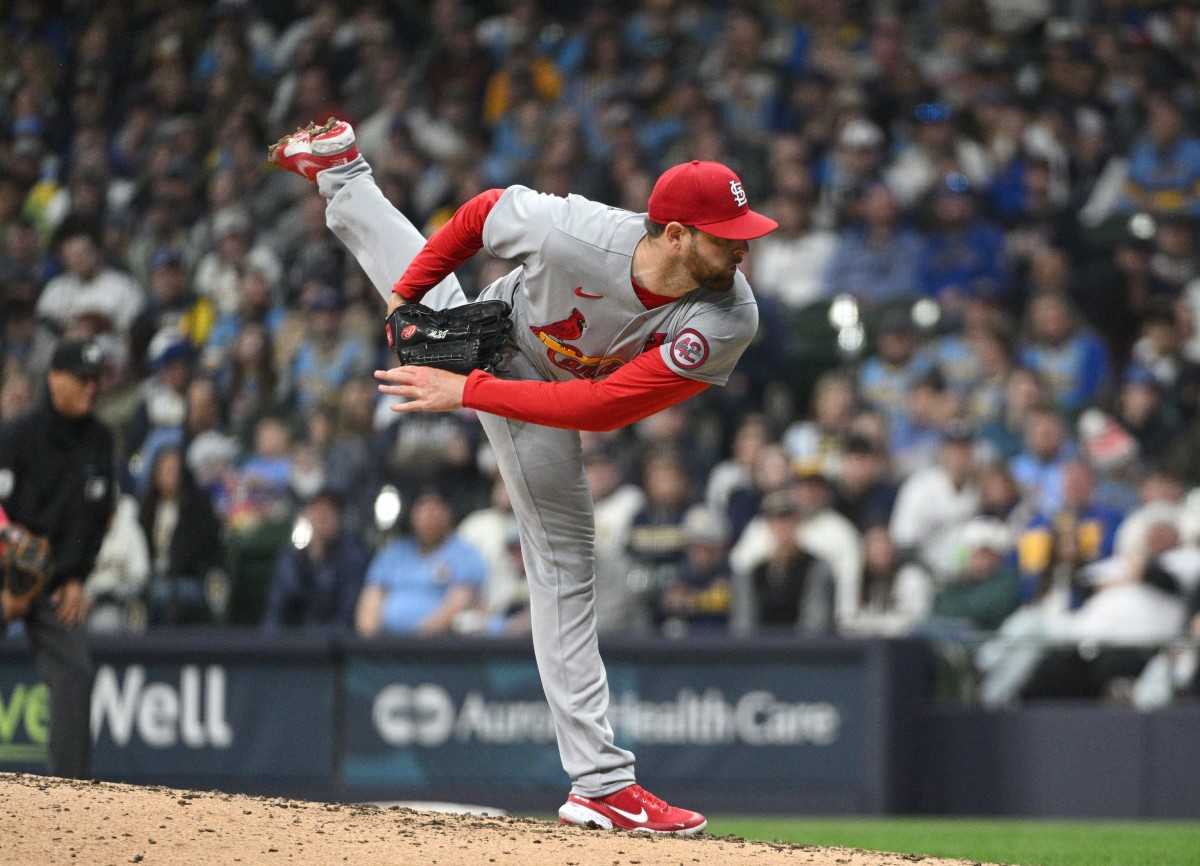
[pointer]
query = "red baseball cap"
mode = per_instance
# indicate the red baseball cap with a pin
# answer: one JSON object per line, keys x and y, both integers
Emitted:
{"x": 710, "y": 197}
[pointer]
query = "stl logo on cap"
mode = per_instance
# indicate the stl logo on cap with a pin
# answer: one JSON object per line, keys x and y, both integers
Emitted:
{"x": 739, "y": 194}
{"x": 707, "y": 196}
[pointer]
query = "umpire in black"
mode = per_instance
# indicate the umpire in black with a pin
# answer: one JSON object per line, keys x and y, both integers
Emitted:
{"x": 57, "y": 480}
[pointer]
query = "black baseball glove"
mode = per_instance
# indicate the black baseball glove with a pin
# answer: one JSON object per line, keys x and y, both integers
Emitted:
{"x": 460, "y": 339}
{"x": 24, "y": 561}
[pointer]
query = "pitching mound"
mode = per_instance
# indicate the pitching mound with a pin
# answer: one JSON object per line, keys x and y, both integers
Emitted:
{"x": 50, "y": 821}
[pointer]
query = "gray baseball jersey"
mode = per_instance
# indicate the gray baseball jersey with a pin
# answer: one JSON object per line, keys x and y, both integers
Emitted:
{"x": 576, "y": 315}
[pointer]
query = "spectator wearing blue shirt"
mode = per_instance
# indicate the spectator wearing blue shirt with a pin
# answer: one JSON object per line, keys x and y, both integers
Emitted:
{"x": 1082, "y": 522}
{"x": 1047, "y": 449}
{"x": 256, "y": 305}
{"x": 889, "y": 373}
{"x": 977, "y": 360}
{"x": 270, "y": 462}
{"x": 877, "y": 258}
{"x": 917, "y": 434}
{"x": 317, "y": 578}
{"x": 419, "y": 584}
{"x": 964, "y": 256}
{"x": 1164, "y": 165}
{"x": 1071, "y": 358}
{"x": 1023, "y": 393}
{"x": 329, "y": 356}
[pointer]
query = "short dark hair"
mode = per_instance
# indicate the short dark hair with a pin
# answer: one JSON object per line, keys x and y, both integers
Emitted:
{"x": 76, "y": 225}
{"x": 654, "y": 229}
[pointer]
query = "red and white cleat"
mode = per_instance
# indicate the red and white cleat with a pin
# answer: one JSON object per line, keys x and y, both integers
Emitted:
{"x": 632, "y": 808}
{"x": 314, "y": 148}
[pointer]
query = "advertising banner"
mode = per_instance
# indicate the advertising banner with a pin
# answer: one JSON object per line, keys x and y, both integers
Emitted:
{"x": 214, "y": 720}
{"x": 819, "y": 726}
{"x": 237, "y": 717}
{"x": 480, "y": 721}
{"x": 24, "y": 719}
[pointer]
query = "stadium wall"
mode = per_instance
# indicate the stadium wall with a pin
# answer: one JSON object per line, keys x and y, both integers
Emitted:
{"x": 766, "y": 725}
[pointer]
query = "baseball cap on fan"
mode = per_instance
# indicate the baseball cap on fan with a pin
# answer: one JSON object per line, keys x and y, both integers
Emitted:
{"x": 710, "y": 197}
{"x": 82, "y": 358}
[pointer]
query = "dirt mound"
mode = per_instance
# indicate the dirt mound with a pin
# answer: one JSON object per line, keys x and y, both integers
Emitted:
{"x": 49, "y": 821}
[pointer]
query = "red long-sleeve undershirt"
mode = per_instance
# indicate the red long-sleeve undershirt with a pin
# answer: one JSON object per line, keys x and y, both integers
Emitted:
{"x": 451, "y": 245}
{"x": 635, "y": 391}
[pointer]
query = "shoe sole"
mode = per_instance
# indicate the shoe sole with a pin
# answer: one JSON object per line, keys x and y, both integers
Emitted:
{"x": 336, "y": 144}
{"x": 327, "y": 147}
{"x": 581, "y": 816}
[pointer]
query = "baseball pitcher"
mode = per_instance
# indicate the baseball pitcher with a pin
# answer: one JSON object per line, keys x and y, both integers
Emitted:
{"x": 614, "y": 316}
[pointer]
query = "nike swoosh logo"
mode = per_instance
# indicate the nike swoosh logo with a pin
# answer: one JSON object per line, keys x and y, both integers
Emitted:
{"x": 581, "y": 293}
{"x": 639, "y": 818}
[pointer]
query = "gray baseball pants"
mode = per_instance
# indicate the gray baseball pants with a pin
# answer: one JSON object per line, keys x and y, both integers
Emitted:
{"x": 542, "y": 468}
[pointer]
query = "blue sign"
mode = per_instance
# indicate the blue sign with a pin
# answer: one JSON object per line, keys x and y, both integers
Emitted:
{"x": 819, "y": 725}
{"x": 413, "y": 723}
{"x": 213, "y": 720}
{"x": 410, "y": 724}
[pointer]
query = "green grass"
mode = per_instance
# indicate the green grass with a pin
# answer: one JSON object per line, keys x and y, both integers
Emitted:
{"x": 1023, "y": 842}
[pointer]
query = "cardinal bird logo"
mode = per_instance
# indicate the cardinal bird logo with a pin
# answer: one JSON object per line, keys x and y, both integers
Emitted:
{"x": 556, "y": 337}
{"x": 570, "y": 328}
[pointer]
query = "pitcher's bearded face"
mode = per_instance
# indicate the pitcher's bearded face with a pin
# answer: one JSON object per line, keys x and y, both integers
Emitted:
{"x": 712, "y": 262}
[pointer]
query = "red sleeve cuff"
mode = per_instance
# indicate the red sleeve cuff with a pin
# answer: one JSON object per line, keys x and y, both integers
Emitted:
{"x": 635, "y": 391}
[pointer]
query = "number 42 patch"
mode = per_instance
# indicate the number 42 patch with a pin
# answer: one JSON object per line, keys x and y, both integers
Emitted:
{"x": 690, "y": 349}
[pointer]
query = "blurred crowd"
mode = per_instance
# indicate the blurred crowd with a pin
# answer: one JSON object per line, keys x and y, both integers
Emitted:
{"x": 973, "y": 412}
